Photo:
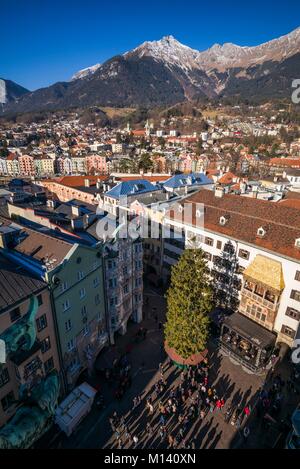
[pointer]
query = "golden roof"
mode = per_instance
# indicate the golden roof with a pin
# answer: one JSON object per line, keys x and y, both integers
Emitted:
{"x": 266, "y": 271}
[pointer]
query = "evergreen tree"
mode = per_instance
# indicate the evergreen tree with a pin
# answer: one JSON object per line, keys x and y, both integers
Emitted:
{"x": 189, "y": 301}
{"x": 226, "y": 283}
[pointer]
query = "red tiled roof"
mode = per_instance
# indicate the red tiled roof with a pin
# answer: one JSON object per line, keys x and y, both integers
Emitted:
{"x": 227, "y": 178}
{"x": 139, "y": 133}
{"x": 293, "y": 203}
{"x": 77, "y": 181}
{"x": 288, "y": 162}
{"x": 244, "y": 217}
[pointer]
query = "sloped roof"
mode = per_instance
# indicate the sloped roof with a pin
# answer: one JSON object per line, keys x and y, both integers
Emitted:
{"x": 183, "y": 180}
{"x": 16, "y": 284}
{"x": 128, "y": 188}
{"x": 266, "y": 271}
{"x": 247, "y": 215}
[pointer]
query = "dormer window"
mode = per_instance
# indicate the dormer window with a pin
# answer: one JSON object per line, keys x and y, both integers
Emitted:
{"x": 223, "y": 220}
{"x": 297, "y": 243}
{"x": 261, "y": 232}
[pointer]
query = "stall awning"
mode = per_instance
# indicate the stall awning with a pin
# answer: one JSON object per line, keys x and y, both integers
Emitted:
{"x": 250, "y": 330}
{"x": 267, "y": 272}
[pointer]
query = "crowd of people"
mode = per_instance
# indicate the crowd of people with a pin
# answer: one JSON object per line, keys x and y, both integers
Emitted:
{"x": 171, "y": 412}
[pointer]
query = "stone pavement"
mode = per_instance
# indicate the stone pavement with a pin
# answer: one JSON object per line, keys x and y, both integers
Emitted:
{"x": 230, "y": 381}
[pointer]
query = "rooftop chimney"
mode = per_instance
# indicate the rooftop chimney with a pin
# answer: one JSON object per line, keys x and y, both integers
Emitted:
{"x": 219, "y": 192}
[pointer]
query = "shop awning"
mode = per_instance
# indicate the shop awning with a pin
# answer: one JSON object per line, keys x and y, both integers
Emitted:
{"x": 267, "y": 272}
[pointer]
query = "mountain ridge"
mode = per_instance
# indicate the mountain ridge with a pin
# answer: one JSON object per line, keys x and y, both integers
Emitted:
{"x": 167, "y": 72}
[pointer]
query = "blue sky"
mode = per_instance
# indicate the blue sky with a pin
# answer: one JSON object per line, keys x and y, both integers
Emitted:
{"x": 44, "y": 41}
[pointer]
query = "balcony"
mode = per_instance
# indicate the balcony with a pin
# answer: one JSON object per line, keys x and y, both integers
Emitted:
{"x": 263, "y": 301}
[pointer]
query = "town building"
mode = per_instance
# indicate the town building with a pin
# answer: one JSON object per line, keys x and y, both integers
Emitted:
{"x": 74, "y": 274}
{"x": 24, "y": 369}
{"x": 266, "y": 243}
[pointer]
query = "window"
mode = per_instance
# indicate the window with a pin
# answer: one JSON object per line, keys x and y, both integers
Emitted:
{"x": 49, "y": 365}
{"x": 15, "y": 314}
{"x": 288, "y": 331}
{"x": 86, "y": 330}
{"x": 66, "y": 305}
{"x": 68, "y": 325}
{"x": 244, "y": 254}
{"x": 97, "y": 299}
{"x": 297, "y": 276}
{"x": 82, "y": 293}
{"x": 80, "y": 275}
{"x": 112, "y": 283}
{"x": 209, "y": 241}
{"x": 7, "y": 401}
{"x": 45, "y": 345}
{"x": 293, "y": 313}
{"x": 4, "y": 377}
{"x": 41, "y": 323}
{"x": 295, "y": 295}
{"x": 63, "y": 287}
{"x": 207, "y": 256}
{"x": 259, "y": 290}
{"x": 70, "y": 345}
{"x": 40, "y": 300}
{"x": 240, "y": 270}
{"x": 125, "y": 289}
{"x": 96, "y": 282}
{"x": 219, "y": 245}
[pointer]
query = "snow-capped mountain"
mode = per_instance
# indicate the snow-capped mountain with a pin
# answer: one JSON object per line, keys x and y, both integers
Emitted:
{"x": 166, "y": 72}
{"x": 85, "y": 72}
{"x": 167, "y": 50}
{"x": 219, "y": 57}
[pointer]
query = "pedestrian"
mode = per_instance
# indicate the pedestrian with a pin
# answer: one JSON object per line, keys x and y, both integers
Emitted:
{"x": 151, "y": 409}
{"x": 162, "y": 420}
{"x": 170, "y": 441}
{"x": 120, "y": 443}
{"x": 149, "y": 429}
{"x": 135, "y": 402}
{"x": 162, "y": 433}
{"x": 247, "y": 410}
{"x": 246, "y": 434}
{"x": 135, "y": 441}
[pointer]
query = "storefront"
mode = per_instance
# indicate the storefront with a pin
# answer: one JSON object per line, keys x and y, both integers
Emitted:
{"x": 247, "y": 342}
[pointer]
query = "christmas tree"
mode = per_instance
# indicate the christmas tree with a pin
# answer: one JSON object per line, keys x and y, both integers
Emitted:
{"x": 189, "y": 302}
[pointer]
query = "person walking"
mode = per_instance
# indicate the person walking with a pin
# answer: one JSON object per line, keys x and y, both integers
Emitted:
{"x": 246, "y": 434}
{"x": 135, "y": 441}
{"x": 247, "y": 410}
